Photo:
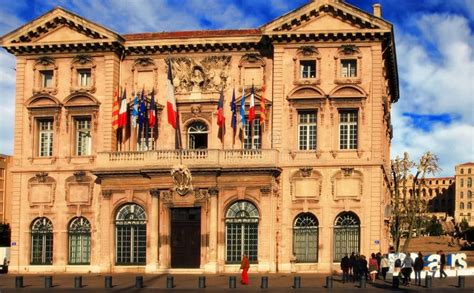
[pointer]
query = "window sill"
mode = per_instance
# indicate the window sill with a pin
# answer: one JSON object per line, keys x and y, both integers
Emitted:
{"x": 45, "y": 90}
{"x": 304, "y": 81}
{"x": 83, "y": 89}
{"x": 43, "y": 160}
{"x": 348, "y": 80}
{"x": 81, "y": 159}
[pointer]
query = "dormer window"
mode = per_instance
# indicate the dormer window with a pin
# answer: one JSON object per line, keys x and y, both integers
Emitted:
{"x": 84, "y": 78}
{"x": 307, "y": 69}
{"x": 47, "y": 78}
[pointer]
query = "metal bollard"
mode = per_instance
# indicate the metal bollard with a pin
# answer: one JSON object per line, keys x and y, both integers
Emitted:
{"x": 329, "y": 282}
{"x": 264, "y": 284}
{"x": 297, "y": 282}
{"x": 395, "y": 282}
{"x": 202, "y": 283}
{"x": 169, "y": 282}
{"x": 48, "y": 281}
{"x": 461, "y": 281}
{"x": 108, "y": 282}
{"x": 428, "y": 282}
{"x": 138, "y": 282}
{"x": 19, "y": 282}
{"x": 362, "y": 282}
{"x": 232, "y": 281}
{"x": 77, "y": 282}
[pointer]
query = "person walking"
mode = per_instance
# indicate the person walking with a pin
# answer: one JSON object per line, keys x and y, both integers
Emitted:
{"x": 418, "y": 267}
{"x": 373, "y": 267}
{"x": 351, "y": 266}
{"x": 345, "y": 263}
{"x": 245, "y": 266}
{"x": 442, "y": 261}
{"x": 384, "y": 266}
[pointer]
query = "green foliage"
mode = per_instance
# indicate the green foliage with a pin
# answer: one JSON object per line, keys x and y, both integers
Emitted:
{"x": 464, "y": 225}
{"x": 434, "y": 228}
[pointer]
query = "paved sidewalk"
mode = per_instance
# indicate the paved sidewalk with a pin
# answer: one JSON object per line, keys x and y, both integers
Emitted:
{"x": 215, "y": 283}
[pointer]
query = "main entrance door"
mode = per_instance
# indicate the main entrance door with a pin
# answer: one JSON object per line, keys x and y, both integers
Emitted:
{"x": 185, "y": 237}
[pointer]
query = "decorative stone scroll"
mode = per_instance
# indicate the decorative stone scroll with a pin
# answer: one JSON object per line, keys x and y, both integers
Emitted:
{"x": 208, "y": 75}
{"x": 182, "y": 179}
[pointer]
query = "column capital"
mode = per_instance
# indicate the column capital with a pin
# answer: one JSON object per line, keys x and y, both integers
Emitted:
{"x": 213, "y": 191}
{"x": 106, "y": 194}
{"x": 155, "y": 192}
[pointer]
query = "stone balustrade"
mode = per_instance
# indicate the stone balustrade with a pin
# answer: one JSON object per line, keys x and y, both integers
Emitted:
{"x": 189, "y": 157}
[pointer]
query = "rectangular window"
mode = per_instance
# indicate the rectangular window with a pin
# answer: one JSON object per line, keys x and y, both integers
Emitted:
{"x": 83, "y": 136}
{"x": 252, "y": 138}
{"x": 348, "y": 130}
{"x": 84, "y": 77}
{"x": 45, "y": 136}
{"x": 307, "y": 69}
{"x": 349, "y": 68}
{"x": 307, "y": 128}
{"x": 46, "y": 78}
{"x": 146, "y": 143}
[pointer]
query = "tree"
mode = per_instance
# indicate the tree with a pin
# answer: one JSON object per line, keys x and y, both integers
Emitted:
{"x": 407, "y": 204}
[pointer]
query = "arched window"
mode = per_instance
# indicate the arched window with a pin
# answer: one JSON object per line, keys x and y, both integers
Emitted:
{"x": 305, "y": 238}
{"x": 462, "y": 194}
{"x": 469, "y": 194}
{"x": 346, "y": 235}
{"x": 469, "y": 182}
{"x": 79, "y": 233}
{"x": 130, "y": 235}
{"x": 461, "y": 206}
{"x": 197, "y": 136}
{"x": 241, "y": 231}
{"x": 42, "y": 242}
{"x": 469, "y": 205}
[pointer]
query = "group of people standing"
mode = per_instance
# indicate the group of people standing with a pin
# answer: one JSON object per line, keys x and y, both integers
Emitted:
{"x": 355, "y": 267}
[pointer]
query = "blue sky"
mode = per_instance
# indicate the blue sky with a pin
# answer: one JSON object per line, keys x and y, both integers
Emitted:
{"x": 434, "y": 39}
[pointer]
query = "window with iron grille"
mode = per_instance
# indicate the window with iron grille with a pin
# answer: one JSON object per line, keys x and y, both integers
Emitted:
{"x": 348, "y": 129}
{"x": 349, "y": 68}
{"x": 83, "y": 136}
{"x": 242, "y": 219}
{"x": 305, "y": 238}
{"x": 130, "y": 235}
{"x": 42, "y": 242}
{"x": 252, "y": 138}
{"x": 307, "y": 130}
{"x": 45, "y": 136}
{"x": 346, "y": 235}
{"x": 79, "y": 233}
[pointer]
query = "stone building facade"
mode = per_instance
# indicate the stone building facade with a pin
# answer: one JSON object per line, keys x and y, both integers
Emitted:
{"x": 5, "y": 161}
{"x": 307, "y": 184}
{"x": 464, "y": 174}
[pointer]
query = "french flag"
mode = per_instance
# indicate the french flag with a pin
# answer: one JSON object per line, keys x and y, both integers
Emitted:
{"x": 122, "y": 119}
{"x": 171, "y": 100}
{"x": 252, "y": 106}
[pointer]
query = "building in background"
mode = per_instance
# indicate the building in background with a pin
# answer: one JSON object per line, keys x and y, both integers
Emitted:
{"x": 5, "y": 165}
{"x": 106, "y": 182}
{"x": 464, "y": 173}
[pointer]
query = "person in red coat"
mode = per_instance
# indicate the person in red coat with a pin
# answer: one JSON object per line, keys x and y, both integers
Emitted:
{"x": 245, "y": 266}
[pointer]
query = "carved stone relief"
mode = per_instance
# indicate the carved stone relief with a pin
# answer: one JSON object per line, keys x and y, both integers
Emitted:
{"x": 41, "y": 190}
{"x": 208, "y": 75}
{"x": 182, "y": 179}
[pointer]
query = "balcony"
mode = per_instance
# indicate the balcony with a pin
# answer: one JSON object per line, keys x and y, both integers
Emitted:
{"x": 198, "y": 158}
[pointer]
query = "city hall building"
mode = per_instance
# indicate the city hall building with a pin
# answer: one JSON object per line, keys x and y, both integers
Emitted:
{"x": 304, "y": 179}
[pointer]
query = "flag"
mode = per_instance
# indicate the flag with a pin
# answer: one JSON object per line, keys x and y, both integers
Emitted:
{"x": 263, "y": 114}
{"x": 115, "y": 109}
{"x": 252, "y": 106}
{"x": 220, "y": 117}
{"x": 141, "y": 117}
{"x": 171, "y": 100}
{"x": 233, "y": 109}
{"x": 122, "y": 119}
{"x": 135, "y": 111}
{"x": 152, "y": 110}
{"x": 242, "y": 116}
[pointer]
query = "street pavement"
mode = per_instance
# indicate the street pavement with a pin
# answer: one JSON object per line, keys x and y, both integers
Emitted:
{"x": 216, "y": 283}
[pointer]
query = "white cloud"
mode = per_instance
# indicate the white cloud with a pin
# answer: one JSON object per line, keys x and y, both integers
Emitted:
{"x": 7, "y": 101}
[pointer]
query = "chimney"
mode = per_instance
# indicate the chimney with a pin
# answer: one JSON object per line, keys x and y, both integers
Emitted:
{"x": 377, "y": 10}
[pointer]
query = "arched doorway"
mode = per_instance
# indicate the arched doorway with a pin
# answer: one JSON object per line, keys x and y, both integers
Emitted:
{"x": 346, "y": 235}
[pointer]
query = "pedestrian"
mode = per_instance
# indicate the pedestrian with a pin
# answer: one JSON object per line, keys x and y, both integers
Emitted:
{"x": 378, "y": 256}
{"x": 351, "y": 266}
{"x": 245, "y": 266}
{"x": 356, "y": 268}
{"x": 442, "y": 261}
{"x": 363, "y": 267}
{"x": 407, "y": 266}
{"x": 418, "y": 267}
{"x": 384, "y": 265}
{"x": 373, "y": 267}
{"x": 345, "y": 263}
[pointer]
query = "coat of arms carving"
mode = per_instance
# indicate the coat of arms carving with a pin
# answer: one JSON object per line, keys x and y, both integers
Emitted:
{"x": 182, "y": 179}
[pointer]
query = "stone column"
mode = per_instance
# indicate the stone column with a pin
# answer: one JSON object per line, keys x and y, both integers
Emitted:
{"x": 211, "y": 266}
{"x": 152, "y": 263}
